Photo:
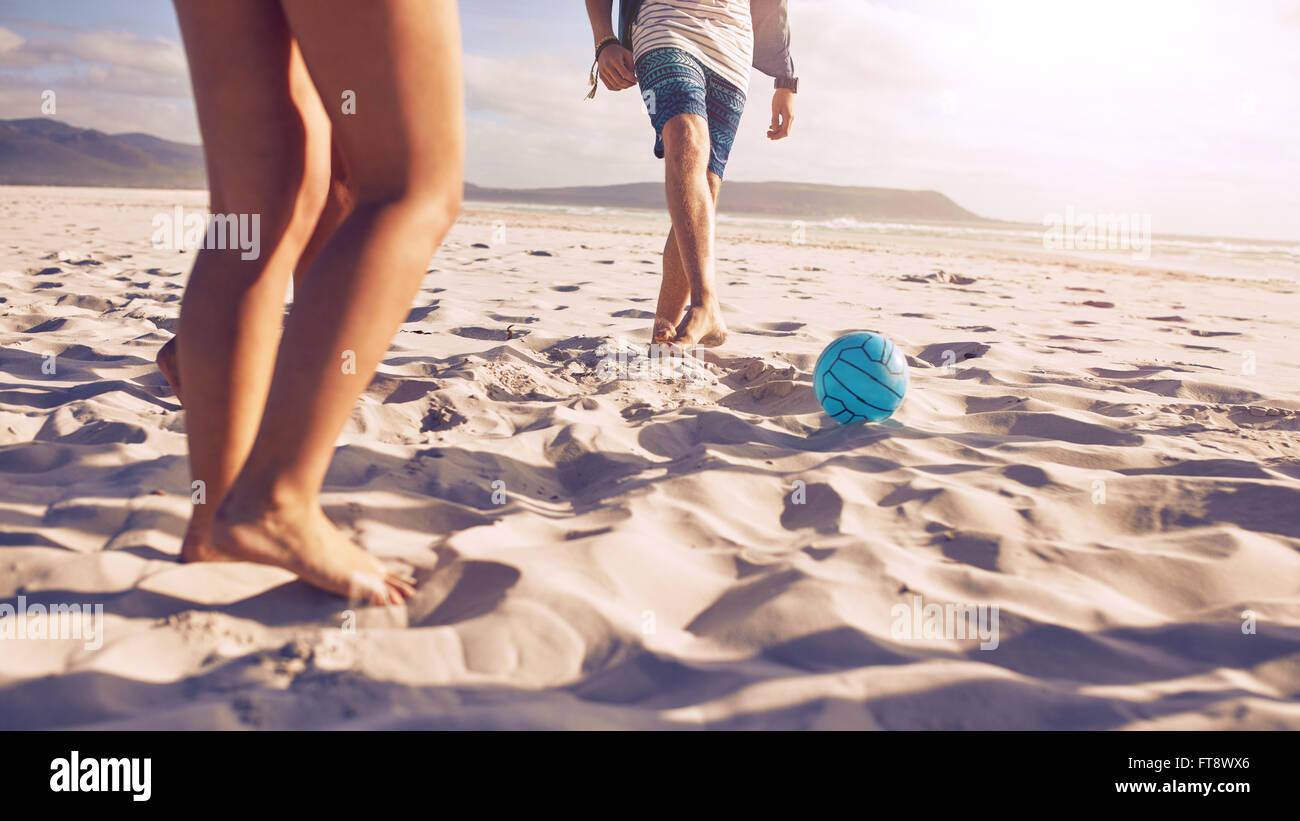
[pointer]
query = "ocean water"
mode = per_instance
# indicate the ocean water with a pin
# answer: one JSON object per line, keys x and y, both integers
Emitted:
{"x": 1233, "y": 258}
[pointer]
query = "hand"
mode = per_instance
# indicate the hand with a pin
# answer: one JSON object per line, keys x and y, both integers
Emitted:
{"x": 782, "y": 114}
{"x": 617, "y": 68}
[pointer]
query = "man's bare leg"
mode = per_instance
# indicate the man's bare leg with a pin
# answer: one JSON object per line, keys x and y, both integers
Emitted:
{"x": 674, "y": 287}
{"x": 691, "y": 207}
{"x": 404, "y": 150}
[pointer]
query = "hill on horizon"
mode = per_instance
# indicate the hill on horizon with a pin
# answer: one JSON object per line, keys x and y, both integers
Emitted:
{"x": 807, "y": 200}
{"x": 44, "y": 151}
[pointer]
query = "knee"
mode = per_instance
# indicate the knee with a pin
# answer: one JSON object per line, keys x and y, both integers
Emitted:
{"x": 314, "y": 192}
{"x": 686, "y": 135}
{"x": 425, "y": 211}
{"x": 435, "y": 206}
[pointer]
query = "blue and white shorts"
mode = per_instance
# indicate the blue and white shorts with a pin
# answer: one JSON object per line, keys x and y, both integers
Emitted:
{"x": 673, "y": 81}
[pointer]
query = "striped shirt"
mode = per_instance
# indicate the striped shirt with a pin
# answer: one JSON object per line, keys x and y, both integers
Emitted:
{"x": 718, "y": 32}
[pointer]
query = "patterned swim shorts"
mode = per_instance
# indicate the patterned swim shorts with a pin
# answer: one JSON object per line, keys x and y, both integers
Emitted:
{"x": 674, "y": 81}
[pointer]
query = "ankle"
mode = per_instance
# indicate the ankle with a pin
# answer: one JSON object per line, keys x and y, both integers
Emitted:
{"x": 254, "y": 498}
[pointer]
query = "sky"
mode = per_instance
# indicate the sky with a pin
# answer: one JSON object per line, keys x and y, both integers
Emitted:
{"x": 1184, "y": 110}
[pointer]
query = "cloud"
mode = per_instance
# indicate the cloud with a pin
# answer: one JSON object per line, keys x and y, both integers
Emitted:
{"x": 9, "y": 41}
{"x": 1014, "y": 108}
{"x": 110, "y": 61}
{"x": 109, "y": 80}
{"x": 119, "y": 49}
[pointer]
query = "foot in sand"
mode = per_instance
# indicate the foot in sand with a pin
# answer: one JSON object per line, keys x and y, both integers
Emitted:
{"x": 197, "y": 546}
{"x": 170, "y": 368}
{"x": 664, "y": 330}
{"x": 303, "y": 541}
{"x": 702, "y": 326}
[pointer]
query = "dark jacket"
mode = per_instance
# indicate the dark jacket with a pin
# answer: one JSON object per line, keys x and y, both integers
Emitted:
{"x": 771, "y": 34}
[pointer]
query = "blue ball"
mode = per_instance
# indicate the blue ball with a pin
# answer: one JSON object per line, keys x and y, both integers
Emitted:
{"x": 860, "y": 377}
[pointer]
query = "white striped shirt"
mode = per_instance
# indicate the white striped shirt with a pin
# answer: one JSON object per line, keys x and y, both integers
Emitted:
{"x": 719, "y": 32}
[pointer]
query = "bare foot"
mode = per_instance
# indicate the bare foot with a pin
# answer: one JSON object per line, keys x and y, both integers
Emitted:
{"x": 702, "y": 326}
{"x": 197, "y": 547}
{"x": 170, "y": 368}
{"x": 664, "y": 331}
{"x": 303, "y": 541}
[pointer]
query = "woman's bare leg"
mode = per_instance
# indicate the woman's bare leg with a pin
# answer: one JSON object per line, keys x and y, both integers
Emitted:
{"x": 320, "y": 164}
{"x": 338, "y": 204}
{"x": 404, "y": 149}
{"x": 255, "y": 145}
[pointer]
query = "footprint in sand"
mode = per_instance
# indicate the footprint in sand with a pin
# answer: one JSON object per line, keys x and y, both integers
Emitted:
{"x": 941, "y": 276}
{"x": 948, "y": 353}
{"x": 492, "y": 334}
{"x": 421, "y": 313}
{"x": 820, "y": 508}
{"x": 776, "y": 389}
{"x": 773, "y": 329}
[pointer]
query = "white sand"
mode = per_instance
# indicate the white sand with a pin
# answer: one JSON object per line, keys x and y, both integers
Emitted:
{"x": 649, "y": 567}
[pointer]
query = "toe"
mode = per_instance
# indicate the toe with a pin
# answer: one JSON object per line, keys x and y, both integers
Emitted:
{"x": 405, "y": 586}
{"x": 398, "y": 593}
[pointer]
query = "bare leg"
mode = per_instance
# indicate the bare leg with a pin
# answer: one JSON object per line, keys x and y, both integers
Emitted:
{"x": 255, "y": 145}
{"x": 322, "y": 162}
{"x": 404, "y": 149}
{"x": 674, "y": 287}
{"x": 170, "y": 365}
{"x": 338, "y": 204}
{"x": 691, "y": 206}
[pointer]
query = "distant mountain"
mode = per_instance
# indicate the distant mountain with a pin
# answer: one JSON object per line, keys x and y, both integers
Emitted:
{"x": 778, "y": 199}
{"x": 48, "y": 152}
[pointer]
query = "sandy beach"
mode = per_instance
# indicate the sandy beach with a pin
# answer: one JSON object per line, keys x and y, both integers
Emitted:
{"x": 1105, "y": 452}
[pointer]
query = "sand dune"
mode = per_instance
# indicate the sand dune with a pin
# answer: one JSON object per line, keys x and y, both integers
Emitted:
{"x": 1106, "y": 453}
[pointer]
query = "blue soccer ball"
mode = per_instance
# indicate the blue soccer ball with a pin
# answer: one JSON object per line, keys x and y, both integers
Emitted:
{"x": 860, "y": 377}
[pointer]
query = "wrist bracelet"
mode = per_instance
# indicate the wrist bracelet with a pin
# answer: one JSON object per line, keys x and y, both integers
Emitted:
{"x": 601, "y": 45}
